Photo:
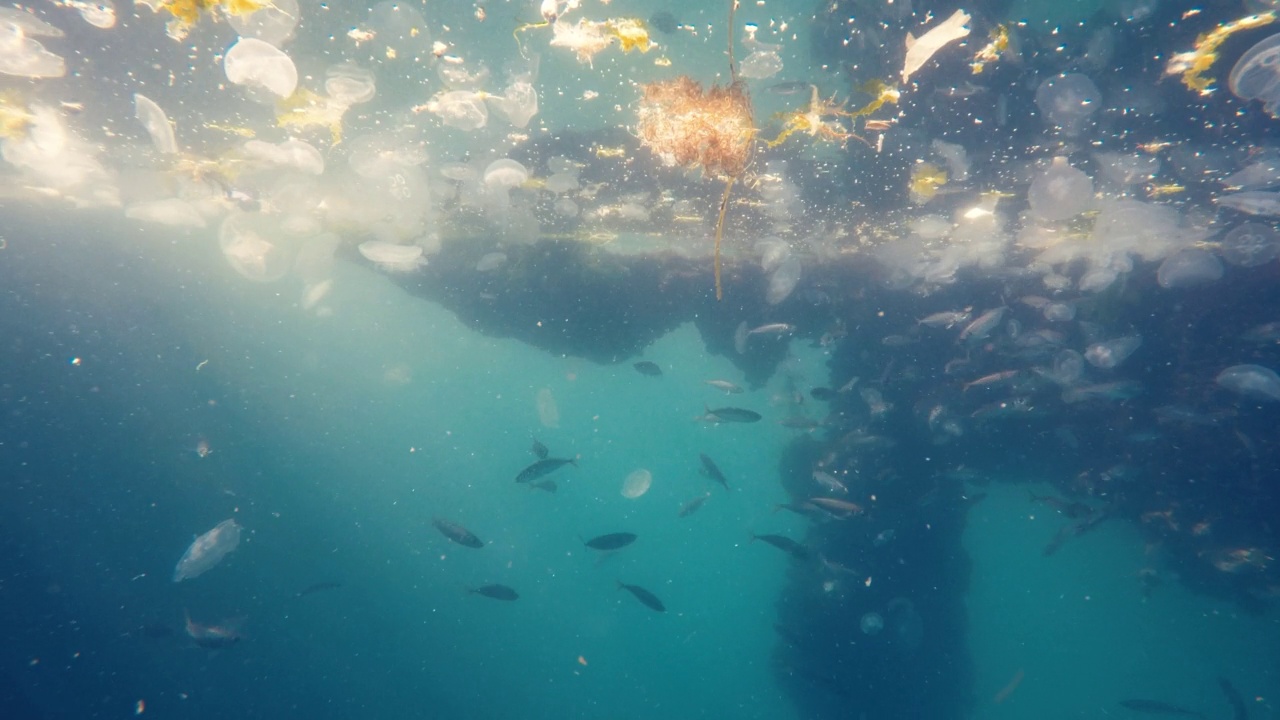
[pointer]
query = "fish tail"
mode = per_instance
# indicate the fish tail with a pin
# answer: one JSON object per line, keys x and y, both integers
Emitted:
{"x": 621, "y": 585}
{"x": 573, "y": 461}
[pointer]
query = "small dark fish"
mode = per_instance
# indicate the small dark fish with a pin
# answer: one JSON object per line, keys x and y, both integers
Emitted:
{"x": 693, "y": 505}
{"x": 1155, "y": 707}
{"x": 823, "y": 394}
{"x": 728, "y": 387}
{"x": 539, "y": 449}
{"x": 731, "y": 414}
{"x": 542, "y": 467}
{"x": 457, "y": 533}
{"x": 773, "y": 329}
{"x": 497, "y": 592}
{"x": 644, "y": 367}
{"x": 785, "y": 544}
{"x": 803, "y": 509}
{"x": 1239, "y": 709}
{"x": 612, "y": 541}
{"x": 710, "y": 470}
{"x": 649, "y": 600}
{"x": 800, "y": 422}
{"x": 664, "y": 22}
{"x": 548, "y": 485}
{"x": 318, "y": 587}
{"x": 837, "y": 508}
{"x": 792, "y": 87}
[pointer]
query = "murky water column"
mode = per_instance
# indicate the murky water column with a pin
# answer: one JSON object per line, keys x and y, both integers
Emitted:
{"x": 874, "y": 626}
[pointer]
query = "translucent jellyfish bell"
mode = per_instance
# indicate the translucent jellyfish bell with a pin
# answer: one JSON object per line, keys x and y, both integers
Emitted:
{"x": 257, "y": 64}
{"x": 783, "y": 280}
{"x": 379, "y": 155}
{"x": 392, "y": 256}
{"x": 1251, "y": 381}
{"x": 762, "y": 61}
{"x": 27, "y": 24}
{"x": 462, "y": 109}
{"x": 1250, "y": 245}
{"x": 349, "y": 84}
{"x": 1068, "y": 100}
{"x": 1188, "y": 268}
{"x": 273, "y": 23}
{"x": 291, "y": 153}
{"x": 518, "y": 104}
{"x": 872, "y": 623}
{"x": 505, "y": 174}
{"x": 499, "y": 178}
{"x": 98, "y": 13}
{"x": 245, "y": 243}
{"x": 156, "y": 123}
{"x": 400, "y": 31}
{"x": 1060, "y": 193}
{"x": 1108, "y": 355}
{"x": 1256, "y": 75}
{"x": 23, "y": 56}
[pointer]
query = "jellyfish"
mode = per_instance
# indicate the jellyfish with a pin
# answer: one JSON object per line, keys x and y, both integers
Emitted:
{"x": 773, "y": 252}
{"x": 491, "y": 261}
{"x": 385, "y": 155}
{"x": 244, "y": 243}
{"x": 1256, "y": 75}
{"x": 399, "y": 31}
{"x": 1250, "y": 245}
{"x": 291, "y": 153}
{"x": 273, "y": 23}
{"x": 156, "y": 123}
{"x": 26, "y": 24}
{"x": 1251, "y": 381}
{"x": 872, "y": 623}
{"x": 519, "y": 103}
{"x": 462, "y": 109}
{"x": 1110, "y": 354}
{"x": 637, "y": 484}
{"x": 1187, "y": 268}
{"x": 24, "y": 56}
{"x": 783, "y": 281}
{"x": 349, "y": 84}
{"x": 257, "y": 64}
{"x": 392, "y": 256}
{"x": 1060, "y": 193}
{"x": 1059, "y": 312}
{"x": 566, "y": 208}
{"x": 762, "y": 61}
{"x": 499, "y": 178}
{"x": 548, "y": 412}
{"x": 98, "y": 13}
{"x": 906, "y": 623}
{"x": 1068, "y": 100}
{"x": 563, "y": 182}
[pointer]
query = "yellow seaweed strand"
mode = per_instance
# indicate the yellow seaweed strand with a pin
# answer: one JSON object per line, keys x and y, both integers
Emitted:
{"x": 1193, "y": 64}
{"x": 724, "y": 206}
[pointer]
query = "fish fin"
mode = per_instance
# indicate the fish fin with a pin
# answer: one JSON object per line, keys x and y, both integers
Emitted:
{"x": 911, "y": 40}
{"x": 573, "y": 461}
{"x": 621, "y": 585}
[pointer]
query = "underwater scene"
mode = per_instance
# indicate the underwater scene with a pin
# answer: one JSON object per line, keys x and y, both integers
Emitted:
{"x": 631, "y": 359}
